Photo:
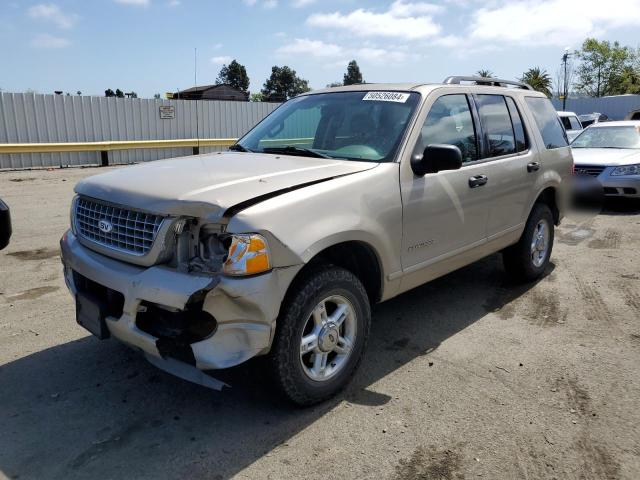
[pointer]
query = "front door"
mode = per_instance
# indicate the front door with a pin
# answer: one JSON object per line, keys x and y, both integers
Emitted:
{"x": 445, "y": 213}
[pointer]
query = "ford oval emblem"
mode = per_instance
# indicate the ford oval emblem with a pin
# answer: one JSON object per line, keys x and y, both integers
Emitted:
{"x": 105, "y": 226}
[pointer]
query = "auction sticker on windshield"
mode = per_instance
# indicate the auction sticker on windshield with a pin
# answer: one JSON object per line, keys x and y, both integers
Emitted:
{"x": 386, "y": 97}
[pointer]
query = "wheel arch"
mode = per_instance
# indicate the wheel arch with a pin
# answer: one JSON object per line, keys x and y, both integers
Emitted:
{"x": 356, "y": 256}
{"x": 549, "y": 197}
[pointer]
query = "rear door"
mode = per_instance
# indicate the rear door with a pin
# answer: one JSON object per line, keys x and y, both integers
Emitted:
{"x": 510, "y": 163}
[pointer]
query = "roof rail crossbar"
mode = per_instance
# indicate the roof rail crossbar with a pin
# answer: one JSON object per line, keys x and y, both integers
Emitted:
{"x": 496, "y": 82}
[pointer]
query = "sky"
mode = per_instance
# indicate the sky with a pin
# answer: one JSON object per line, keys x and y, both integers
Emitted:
{"x": 149, "y": 46}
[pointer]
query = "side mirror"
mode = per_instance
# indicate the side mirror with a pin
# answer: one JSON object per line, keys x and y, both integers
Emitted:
{"x": 436, "y": 158}
{"x": 5, "y": 225}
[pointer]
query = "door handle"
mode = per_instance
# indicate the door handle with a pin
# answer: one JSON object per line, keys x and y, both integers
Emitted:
{"x": 533, "y": 167}
{"x": 478, "y": 181}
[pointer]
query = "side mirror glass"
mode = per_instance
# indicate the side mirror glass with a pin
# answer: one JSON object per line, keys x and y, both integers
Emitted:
{"x": 436, "y": 158}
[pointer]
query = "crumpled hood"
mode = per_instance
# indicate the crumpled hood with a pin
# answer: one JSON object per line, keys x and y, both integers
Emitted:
{"x": 207, "y": 185}
{"x": 605, "y": 156}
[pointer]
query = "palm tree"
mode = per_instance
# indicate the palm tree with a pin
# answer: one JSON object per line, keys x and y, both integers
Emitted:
{"x": 538, "y": 79}
{"x": 484, "y": 73}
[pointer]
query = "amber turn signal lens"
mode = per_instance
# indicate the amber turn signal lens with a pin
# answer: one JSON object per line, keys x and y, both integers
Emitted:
{"x": 248, "y": 255}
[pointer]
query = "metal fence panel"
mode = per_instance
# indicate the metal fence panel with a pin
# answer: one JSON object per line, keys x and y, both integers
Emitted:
{"x": 37, "y": 118}
{"x": 616, "y": 107}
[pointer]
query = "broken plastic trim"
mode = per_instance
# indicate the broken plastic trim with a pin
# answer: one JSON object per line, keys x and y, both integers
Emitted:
{"x": 176, "y": 330}
{"x": 186, "y": 372}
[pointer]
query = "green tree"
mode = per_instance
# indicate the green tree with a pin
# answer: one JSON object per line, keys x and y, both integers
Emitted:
{"x": 283, "y": 84}
{"x": 256, "y": 97}
{"x": 109, "y": 93}
{"x": 235, "y": 75}
{"x": 156, "y": 96}
{"x": 630, "y": 80}
{"x": 119, "y": 93}
{"x": 484, "y": 73}
{"x": 335, "y": 84}
{"x": 353, "y": 75}
{"x": 538, "y": 79}
{"x": 602, "y": 65}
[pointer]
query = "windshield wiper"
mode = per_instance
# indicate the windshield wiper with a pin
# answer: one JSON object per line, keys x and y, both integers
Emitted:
{"x": 238, "y": 148}
{"x": 292, "y": 150}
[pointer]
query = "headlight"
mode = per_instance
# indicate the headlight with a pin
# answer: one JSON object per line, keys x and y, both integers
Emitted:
{"x": 248, "y": 255}
{"x": 626, "y": 170}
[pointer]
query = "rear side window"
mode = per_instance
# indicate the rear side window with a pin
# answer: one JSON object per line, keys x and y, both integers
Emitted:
{"x": 496, "y": 123}
{"x": 518, "y": 126}
{"x": 548, "y": 122}
{"x": 449, "y": 121}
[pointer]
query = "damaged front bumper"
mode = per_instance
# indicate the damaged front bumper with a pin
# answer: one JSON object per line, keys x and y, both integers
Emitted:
{"x": 179, "y": 319}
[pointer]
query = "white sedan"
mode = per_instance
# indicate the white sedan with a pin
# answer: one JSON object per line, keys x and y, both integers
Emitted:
{"x": 610, "y": 151}
{"x": 571, "y": 124}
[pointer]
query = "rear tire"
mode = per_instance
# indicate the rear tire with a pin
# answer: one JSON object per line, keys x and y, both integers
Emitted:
{"x": 321, "y": 334}
{"x": 527, "y": 260}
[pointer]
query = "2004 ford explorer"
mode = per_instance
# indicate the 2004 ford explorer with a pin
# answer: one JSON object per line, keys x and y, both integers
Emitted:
{"x": 339, "y": 199}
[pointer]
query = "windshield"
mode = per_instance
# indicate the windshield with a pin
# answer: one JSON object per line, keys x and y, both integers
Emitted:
{"x": 608, "y": 137}
{"x": 348, "y": 125}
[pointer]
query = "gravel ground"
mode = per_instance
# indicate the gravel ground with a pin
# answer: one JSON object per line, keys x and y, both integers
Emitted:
{"x": 466, "y": 377}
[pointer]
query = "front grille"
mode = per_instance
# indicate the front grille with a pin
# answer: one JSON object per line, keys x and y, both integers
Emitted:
{"x": 123, "y": 229}
{"x": 591, "y": 170}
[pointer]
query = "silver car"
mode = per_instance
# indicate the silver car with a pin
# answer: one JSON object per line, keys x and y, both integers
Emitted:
{"x": 338, "y": 200}
{"x": 592, "y": 118}
{"x": 610, "y": 152}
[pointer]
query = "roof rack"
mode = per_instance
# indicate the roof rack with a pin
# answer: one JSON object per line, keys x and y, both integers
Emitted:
{"x": 496, "y": 82}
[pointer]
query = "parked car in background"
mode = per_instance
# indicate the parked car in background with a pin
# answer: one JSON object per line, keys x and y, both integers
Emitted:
{"x": 633, "y": 115}
{"x": 5, "y": 224}
{"x": 610, "y": 152}
{"x": 340, "y": 199}
{"x": 571, "y": 124}
{"x": 591, "y": 118}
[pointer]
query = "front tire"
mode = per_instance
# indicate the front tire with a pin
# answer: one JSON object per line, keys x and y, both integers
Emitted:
{"x": 527, "y": 260}
{"x": 321, "y": 335}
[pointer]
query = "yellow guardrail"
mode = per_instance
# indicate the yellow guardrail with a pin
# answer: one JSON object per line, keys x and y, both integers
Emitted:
{"x": 133, "y": 144}
{"x": 105, "y": 147}
{"x": 113, "y": 145}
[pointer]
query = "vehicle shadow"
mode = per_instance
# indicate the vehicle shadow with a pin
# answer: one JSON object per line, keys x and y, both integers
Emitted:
{"x": 621, "y": 206}
{"x": 91, "y": 409}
